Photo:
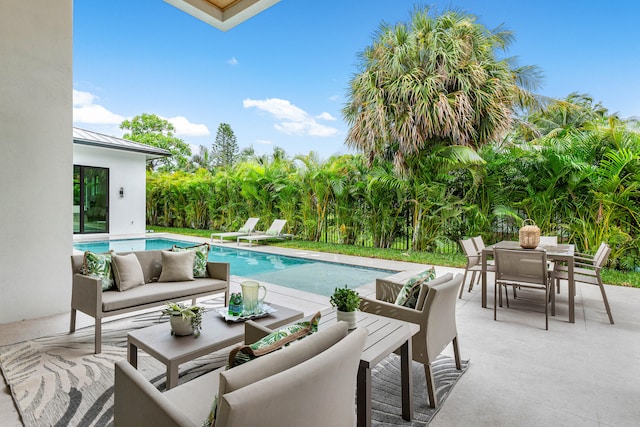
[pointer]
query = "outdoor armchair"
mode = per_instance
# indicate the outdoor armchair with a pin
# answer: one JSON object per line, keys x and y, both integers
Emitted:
{"x": 309, "y": 383}
{"x": 435, "y": 313}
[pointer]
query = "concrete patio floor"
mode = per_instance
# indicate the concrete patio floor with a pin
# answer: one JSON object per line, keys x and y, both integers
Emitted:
{"x": 587, "y": 373}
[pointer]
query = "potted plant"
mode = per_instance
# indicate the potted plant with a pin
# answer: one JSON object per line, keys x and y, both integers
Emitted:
{"x": 185, "y": 320}
{"x": 346, "y": 301}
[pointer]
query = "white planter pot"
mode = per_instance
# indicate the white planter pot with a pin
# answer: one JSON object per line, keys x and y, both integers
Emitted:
{"x": 347, "y": 316}
{"x": 180, "y": 327}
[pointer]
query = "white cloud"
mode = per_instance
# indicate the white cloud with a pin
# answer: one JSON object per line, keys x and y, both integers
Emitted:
{"x": 85, "y": 110}
{"x": 326, "y": 116}
{"x": 292, "y": 120}
{"x": 186, "y": 128}
{"x": 334, "y": 98}
{"x": 233, "y": 61}
{"x": 263, "y": 142}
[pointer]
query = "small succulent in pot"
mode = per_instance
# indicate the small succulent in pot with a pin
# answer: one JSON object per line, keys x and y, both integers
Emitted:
{"x": 191, "y": 316}
{"x": 345, "y": 299}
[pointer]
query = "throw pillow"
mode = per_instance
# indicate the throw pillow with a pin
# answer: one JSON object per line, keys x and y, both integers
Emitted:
{"x": 127, "y": 271}
{"x": 244, "y": 230}
{"x": 98, "y": 266}
{"x": 200, "y": 261}
{"x": 274, "y": 341}
{"x": 177, "y": 266}
{"x": 408, "y": 296}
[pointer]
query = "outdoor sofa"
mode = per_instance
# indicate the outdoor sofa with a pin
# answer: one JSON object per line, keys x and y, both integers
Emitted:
{"x": 310, "y": 383}
{"x": 88, "y": 297}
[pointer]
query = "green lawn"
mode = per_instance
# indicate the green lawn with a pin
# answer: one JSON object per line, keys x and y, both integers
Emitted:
{"x": 614, "y": 277}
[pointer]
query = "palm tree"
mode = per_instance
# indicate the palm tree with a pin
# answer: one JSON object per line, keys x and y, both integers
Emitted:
{"x": 437, "y": 80}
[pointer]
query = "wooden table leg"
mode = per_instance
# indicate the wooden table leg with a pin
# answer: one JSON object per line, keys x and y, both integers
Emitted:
{"x": 572, "y": 290}
{"x": 483, "y": 273}
{"x": 363, "y": 395}
{"x": 132, "y": 355}
{"x": 406, "y": 373}
{"x": 172, "y": 375}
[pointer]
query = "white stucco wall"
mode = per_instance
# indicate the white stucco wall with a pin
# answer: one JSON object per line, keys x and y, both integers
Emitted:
{"x": 35, "y": 158}
{"x": 126, "y": 170}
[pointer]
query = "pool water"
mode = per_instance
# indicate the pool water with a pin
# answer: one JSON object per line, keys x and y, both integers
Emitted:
{"x": 304, "y": 274}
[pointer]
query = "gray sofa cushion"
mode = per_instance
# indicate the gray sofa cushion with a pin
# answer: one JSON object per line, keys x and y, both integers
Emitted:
{"x": 158, "y": 292}
{"x": 195, "y": 396}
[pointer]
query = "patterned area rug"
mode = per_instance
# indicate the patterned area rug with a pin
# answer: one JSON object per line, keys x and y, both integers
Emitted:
{"x": 58, "y": 381}
{"x": 386, "y": 397}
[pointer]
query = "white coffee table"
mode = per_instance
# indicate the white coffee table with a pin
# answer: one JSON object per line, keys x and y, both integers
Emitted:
{"x": 216, "y": 334}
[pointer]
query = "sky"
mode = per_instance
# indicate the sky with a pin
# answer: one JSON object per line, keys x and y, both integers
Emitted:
{"x": 280, "y": 79}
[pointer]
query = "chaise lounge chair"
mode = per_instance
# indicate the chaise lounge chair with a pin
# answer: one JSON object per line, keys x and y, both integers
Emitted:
{"x": 246, "y": 229}
{"x": 274, "y": 232}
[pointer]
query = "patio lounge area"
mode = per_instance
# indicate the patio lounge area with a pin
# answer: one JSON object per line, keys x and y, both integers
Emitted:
{"x": 573, "y": 374}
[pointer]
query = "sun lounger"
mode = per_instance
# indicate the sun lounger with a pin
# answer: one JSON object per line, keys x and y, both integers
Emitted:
{"x": 245, "y": 230}
{"x": 274, "y": 232}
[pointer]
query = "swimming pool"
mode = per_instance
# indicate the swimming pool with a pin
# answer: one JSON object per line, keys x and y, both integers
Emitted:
{"x": 319, "y": 277}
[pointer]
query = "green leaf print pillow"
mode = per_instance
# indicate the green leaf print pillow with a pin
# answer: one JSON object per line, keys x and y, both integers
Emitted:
{"x": 99, "y": 266}
{"x": 408, "y": 296}
{"x": 201, "y": 258}
{"x": 274, "y": 341}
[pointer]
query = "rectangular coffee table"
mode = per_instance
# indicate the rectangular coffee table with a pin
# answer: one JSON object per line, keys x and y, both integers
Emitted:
{"x": 216, "y": 334}
{"x": 386, "y": 335}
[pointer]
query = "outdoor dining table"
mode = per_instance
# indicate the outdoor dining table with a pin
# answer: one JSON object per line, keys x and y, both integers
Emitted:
{"x": 557, "y": 253}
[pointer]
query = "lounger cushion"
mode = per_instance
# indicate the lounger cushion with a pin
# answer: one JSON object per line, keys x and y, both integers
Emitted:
{"x": 177, "y": 266}
{"x": 200, "y": 260}
{"x": 408, "y": 296}
{"x": 127, "y": 271}
{"x": 99, "y": 266}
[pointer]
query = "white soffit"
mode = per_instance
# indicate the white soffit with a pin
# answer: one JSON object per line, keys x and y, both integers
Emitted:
{"x": 222, "y": 14}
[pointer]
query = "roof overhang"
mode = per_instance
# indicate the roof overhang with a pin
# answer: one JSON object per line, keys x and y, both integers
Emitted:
{"x": 222, "y": 14}
{"x": 95, "y": 139}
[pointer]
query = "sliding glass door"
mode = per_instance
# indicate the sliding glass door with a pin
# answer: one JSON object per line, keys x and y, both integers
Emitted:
{"x": 90, "y": 199}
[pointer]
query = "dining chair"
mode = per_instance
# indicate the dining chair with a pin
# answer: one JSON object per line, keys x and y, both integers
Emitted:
{"x": 474, "y": 264}
{"x": 548, "y": 241}
{"x": 587, "y": 270}
{"x": 523, "y": 269}
{"x": 479, "y": 244}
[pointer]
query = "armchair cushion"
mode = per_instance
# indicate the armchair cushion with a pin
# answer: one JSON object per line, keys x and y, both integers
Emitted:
{"x": 127, "y": 271}
{"x": 409, "y": 293}
{"x": 241, "y": 376}
{"x": 200, "y": 260}
{"x": 247, "y": 380}
{"x": 99, "y": 266}
{"x": 177, "y": 266}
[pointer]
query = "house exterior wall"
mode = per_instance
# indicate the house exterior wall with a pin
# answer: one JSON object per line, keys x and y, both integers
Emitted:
{"x": 36, "y": 158}
{"x": 127, "y": 170}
